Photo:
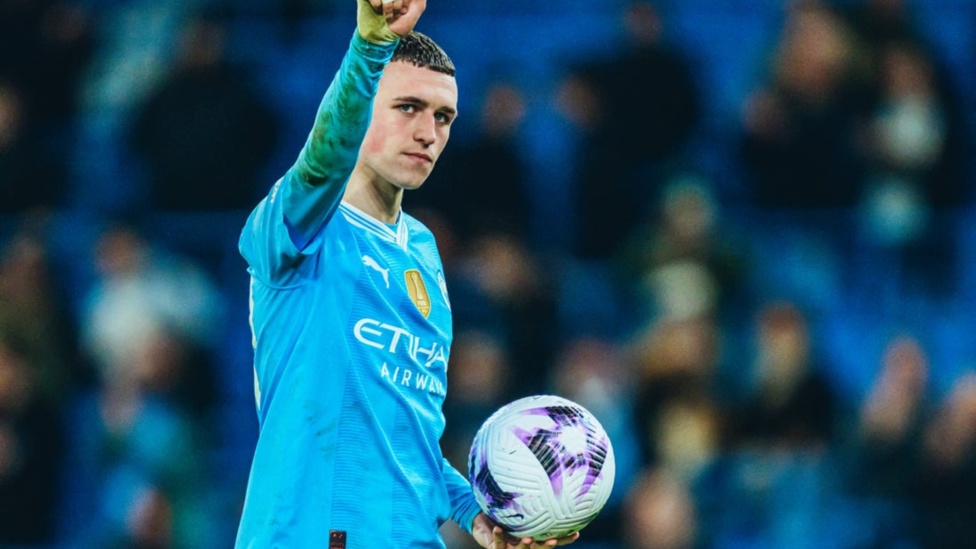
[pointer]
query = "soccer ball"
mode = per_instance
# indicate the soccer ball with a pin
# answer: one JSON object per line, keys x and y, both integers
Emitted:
{"x": 541, "y": 467}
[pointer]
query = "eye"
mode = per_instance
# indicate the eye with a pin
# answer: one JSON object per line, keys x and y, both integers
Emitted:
{"x": 407, "y": 108}
{"x": 443, "y": 118}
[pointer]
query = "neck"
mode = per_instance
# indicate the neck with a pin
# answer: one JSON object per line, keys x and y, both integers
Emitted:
{"x": 375, "y": 197}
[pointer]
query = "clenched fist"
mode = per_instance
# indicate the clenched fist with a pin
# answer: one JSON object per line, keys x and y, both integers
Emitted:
{"x": 384, "y": 21}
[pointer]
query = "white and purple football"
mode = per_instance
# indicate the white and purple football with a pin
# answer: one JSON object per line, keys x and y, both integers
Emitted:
{"x": 541, "y": 467}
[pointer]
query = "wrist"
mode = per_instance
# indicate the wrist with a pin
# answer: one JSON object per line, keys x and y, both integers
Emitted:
{"x": 373, "y": 27}
{"x": 372, "y": 51}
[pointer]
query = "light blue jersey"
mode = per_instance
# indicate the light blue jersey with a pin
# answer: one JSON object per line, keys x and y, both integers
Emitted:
{"x": 352, "y": 333}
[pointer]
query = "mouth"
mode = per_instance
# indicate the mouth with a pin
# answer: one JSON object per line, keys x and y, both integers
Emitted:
{"x": 421, "y": 157}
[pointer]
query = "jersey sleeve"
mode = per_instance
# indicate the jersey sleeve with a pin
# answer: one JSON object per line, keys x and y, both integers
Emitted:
{"x": 463, "y": 505}
{"x": 284, "y": 226}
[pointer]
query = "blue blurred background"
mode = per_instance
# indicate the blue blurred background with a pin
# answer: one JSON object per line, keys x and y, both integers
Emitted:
{"x": 740, "y": 232}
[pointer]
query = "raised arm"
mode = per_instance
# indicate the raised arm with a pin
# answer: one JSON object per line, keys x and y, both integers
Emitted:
{"x": 314, "y": 185}
{"x": 281, "y": 229}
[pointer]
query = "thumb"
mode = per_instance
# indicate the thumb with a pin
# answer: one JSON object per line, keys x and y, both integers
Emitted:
{"x": 481, "y": 534}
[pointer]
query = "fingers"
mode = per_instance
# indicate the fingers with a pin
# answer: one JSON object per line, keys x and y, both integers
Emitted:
{"x": 416, "y": 6}
{"x": 392, "y": 8}
{"x": 506, "y": 541}
{"x": 401, "y": 15}
{"x": 388, "y": 8}
{"x": 499, "y": 540}
{"x": 529, "y": 543}
{"x": 502, "y": 540}
{"x": 569, "y": 539}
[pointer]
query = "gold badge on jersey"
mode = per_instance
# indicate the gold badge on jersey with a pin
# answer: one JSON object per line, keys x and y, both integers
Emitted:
{"x": 418, "y": 291}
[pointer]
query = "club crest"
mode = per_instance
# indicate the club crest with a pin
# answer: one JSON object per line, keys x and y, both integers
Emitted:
{"x": 418, "y": 291}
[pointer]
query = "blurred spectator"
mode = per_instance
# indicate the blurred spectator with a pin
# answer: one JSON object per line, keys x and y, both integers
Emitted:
{"x": 917, "y": 127}
{"x": 149, "y": 310}
{"x": 772, "y": 486}
{"x": 138, "y": 468}
{"x": 498, "y": 285}
{"x": 31, "y": 449}
{"x": 790, "y": 404}
{"x": 660, "y": 513}
{"x": 204, "y": 133}
{"x": 676, "y": 413}
{"x": 491, "y": 165}
{"x": 917, "y": 168}
{"x": 892, "y": 417}
{"x": 948, "y": 472}
{"x": 39, "y": 373}
{"x": 887, "y": 445}
{"x": 631, "y": 132}
{"x": 135, "y": 41}
{"x": 800, "y": 144}
{"x": 480, "y": 383}
{"x": 685, "y": 262}
{"x": 33, "y": 310}
{"x": 32, "y": 175}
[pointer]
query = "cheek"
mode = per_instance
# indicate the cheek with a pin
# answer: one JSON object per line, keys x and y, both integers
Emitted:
{"x": 372, "y": 143}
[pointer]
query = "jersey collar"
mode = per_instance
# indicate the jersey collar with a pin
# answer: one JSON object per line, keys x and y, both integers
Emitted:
{"x": 396, "y": 235}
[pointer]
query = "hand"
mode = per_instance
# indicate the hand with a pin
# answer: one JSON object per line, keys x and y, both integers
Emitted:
{"x": 384, "y": 21}
{"x": 491, "y": 536}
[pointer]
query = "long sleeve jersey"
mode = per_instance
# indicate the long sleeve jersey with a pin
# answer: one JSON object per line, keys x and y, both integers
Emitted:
{"x": 351, "y": 326}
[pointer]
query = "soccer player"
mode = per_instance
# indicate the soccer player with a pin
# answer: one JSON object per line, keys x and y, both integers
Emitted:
{"x": 350, "y": 315}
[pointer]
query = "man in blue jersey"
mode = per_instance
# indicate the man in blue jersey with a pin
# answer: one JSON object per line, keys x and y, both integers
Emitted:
{"x": 350, "y": 315}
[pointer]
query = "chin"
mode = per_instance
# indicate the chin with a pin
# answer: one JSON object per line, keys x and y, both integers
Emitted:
{"x": 411, "y": 184}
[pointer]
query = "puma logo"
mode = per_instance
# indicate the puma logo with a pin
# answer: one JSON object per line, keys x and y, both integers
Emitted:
{"x": 372, "y": 264}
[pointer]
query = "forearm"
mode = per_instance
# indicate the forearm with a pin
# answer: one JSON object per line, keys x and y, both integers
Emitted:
{"x": 330, "y": 151}
{"x": 463, "y": 505}
{"x": 314, "y": 186}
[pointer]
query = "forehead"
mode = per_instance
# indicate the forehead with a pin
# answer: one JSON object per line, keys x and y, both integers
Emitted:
{"x": 401, "y": 79}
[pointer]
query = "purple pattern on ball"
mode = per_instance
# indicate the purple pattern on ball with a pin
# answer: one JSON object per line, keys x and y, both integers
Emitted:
{"x": 598, "y": 455}
{"x": 495, "y": 497}
{"x": 552, "y": 454}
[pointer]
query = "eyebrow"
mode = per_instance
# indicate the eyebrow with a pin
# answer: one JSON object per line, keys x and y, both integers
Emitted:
{"x": 422, "y": 103}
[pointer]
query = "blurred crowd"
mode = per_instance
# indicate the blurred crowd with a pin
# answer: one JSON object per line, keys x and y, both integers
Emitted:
{"x": 742, "y": 236}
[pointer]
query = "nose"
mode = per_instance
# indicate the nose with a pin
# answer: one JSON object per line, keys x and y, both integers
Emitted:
{"x": 426, "y": 130}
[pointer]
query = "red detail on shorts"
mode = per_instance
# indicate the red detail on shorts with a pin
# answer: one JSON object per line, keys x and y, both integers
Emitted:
{"x": 337, "y": 539}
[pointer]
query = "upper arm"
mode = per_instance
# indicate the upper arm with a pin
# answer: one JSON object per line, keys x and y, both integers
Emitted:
{"x": 273, "y": 245}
